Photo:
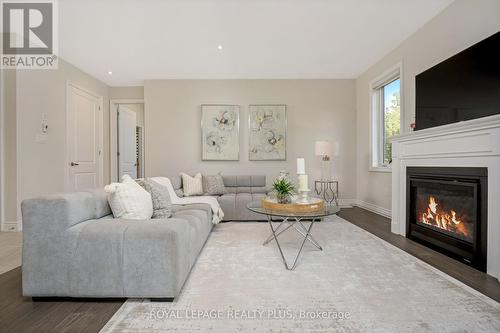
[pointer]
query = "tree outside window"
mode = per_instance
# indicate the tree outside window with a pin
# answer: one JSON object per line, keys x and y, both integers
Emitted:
{"x": 391, "y": 117}
{"x": 386, "y": 117}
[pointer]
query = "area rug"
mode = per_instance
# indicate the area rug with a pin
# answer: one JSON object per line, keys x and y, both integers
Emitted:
{"x": 358, "y": 283}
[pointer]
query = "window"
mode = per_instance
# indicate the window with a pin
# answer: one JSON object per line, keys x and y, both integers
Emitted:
{"x": 386, "y": 118}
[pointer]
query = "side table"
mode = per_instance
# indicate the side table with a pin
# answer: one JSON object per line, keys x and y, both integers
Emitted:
{"x": 328, "y": 190}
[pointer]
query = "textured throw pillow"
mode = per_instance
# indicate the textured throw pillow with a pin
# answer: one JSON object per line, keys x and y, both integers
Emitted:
{"x": 128, "y": 200}
{"x": 214, "y": 185}
{"x": 192, "y": 185}
{"x": 162, "y": 205}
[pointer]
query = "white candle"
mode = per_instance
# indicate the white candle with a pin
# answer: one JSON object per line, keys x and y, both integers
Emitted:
{"x": 301, "y": 166}
{"x": 303, "y": 182}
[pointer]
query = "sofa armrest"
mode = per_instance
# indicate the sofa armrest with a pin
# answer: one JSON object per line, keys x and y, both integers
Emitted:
{"x": 56, "y": 213}
{"x": 48, "y": 240}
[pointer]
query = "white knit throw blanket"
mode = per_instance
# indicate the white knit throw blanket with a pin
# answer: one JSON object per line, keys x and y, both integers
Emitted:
{"x": 217, "y": 213}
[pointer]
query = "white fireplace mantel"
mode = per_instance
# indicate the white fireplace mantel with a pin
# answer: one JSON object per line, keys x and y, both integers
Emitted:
{"x": 473, "y": 143}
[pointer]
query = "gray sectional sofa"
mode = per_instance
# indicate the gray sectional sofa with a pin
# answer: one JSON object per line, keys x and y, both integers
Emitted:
{"x": 241, "y": 190}
{"x": 73, "y": 247}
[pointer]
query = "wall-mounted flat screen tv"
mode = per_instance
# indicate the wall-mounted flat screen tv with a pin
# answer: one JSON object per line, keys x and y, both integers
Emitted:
{"x": 463, "y": 87}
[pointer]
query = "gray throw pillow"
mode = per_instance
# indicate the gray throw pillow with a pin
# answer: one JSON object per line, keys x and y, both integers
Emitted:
{"x": 162, "y": 205}
{"x": 213, "y": 185}
{"x": 179, "y": 192}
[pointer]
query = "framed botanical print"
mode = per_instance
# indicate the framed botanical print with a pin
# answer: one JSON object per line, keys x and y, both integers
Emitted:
{"x": 220, "y": 138}
{"x": 267, "y": 133}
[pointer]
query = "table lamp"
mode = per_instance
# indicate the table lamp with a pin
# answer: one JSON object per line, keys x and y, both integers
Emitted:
{"x": 326, "y": 150}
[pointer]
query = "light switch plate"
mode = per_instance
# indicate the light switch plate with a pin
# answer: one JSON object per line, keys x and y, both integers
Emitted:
{"x": 41, "y": 138}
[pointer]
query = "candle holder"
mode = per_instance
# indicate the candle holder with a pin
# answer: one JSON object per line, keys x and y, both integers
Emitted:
{"x": 303, "y": 190}
{"x": 303, "y": 196}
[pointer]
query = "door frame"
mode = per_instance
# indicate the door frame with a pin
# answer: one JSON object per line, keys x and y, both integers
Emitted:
{"x": 2, "y": 122}
{"x": 141, "y": 156}
{"x": 70, "y": 85}
{"x": 113, "y": 133}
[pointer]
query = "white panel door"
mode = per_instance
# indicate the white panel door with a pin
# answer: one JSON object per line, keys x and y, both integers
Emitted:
{"x": 83, "y": 125}
{"x": 127, "y": 156}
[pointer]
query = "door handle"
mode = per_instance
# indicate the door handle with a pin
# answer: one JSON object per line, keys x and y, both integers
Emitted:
{"x": 74, "y": 164}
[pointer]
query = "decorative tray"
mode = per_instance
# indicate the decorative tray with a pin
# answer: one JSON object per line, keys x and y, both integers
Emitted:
{"x": 312, "y": 205}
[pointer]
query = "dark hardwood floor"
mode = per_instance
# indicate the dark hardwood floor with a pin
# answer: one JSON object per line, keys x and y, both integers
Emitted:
{"x": 381, "y": 227}
{"x": 21, "y": 314}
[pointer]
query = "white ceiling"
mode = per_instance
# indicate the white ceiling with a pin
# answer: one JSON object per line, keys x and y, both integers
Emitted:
{"x": 178, "y": 39}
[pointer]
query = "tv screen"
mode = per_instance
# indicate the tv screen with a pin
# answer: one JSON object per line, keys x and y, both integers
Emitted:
{"x": 463, "y": 87}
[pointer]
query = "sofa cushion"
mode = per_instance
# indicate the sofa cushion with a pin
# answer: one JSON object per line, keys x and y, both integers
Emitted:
{"x": 129, "y": 200}
{"x": 162, "y": 205}
{"x": 245, "y": 189}
{"x": 227, "y": 204}
{"x": 241, "y": 202}
{"x": 213, "y": 185}
{"x": 234, "y": 206}
{"x": 101, "y": 202}
{"x": 200, "y": 207}
{"x": 175, "y": 244}
{"x": 124, "y": 258}
{"x": 177, "y": 184}
{"x": 245, "y": 184}
{"x": 192, "y": 185}
{"x": 244, "y": 181}
{"x": 96, "y": 260}
{"x": 198, "y": 229}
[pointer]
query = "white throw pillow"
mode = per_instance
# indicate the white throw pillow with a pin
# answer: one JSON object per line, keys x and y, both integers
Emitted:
{"x": 128, "y": 200}
{"x": 192, "y": 185}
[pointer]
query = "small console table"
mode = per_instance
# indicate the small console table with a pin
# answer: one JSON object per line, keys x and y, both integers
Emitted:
{"x": 328, "y": 190}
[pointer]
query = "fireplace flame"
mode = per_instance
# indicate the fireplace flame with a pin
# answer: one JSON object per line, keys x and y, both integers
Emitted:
{"x": 444, "y": 220}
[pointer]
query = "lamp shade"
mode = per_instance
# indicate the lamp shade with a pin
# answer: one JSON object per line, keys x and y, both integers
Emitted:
{"x": 327, "y": 148}
{"x": 323, "y": 148}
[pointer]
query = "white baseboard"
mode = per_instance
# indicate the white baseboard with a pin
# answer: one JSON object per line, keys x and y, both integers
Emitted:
{"x": 347, "y": 203}
{"x": 373, "y": 208}
{"x": 11, "y": 226}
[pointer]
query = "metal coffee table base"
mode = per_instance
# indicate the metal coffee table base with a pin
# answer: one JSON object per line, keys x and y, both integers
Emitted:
{"x": 297, "y": 224}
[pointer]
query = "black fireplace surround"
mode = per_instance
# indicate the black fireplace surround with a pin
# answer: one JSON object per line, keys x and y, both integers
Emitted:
{"x": 446, "y": 209}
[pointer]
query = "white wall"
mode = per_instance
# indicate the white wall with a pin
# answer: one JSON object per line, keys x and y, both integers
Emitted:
{"x": 459, "y": 26}
{"x": 132, "y": 92}
{"x": 316, "y": 110}
{"x": 138, "y": 108}
{"x": 9, "y": 145}
{"x": 41, "y": 166}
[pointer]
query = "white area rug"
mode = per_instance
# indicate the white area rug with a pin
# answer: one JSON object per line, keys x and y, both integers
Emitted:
{"x": 358, "y": 283}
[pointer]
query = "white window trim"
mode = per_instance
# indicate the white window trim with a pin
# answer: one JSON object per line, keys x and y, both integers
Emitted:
{"x": 376, "y": 116}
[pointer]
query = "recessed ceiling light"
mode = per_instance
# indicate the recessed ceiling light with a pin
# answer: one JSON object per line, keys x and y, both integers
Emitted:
{"x": 219, "y": 47}
{"x": 110, "y": 73}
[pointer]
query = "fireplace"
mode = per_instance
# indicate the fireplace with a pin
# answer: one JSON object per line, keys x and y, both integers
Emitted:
{"x": 446, "y": 210}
